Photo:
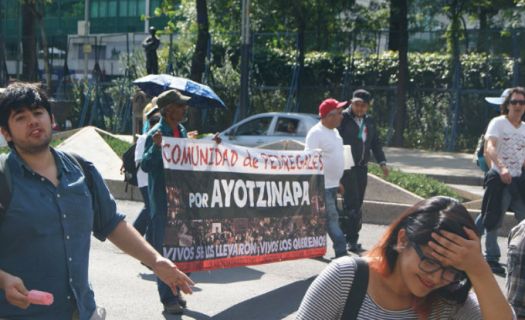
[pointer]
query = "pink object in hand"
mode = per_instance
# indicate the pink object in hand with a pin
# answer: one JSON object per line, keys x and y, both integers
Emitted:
{"x": 40, "y": 297}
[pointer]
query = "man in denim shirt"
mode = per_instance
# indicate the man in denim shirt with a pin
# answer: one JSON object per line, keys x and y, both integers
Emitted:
{"x": 46, "y": 229}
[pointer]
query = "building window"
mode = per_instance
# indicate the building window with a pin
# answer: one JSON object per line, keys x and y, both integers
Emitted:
{"x": 112, "y": 8}
{"x": 94, "y": 9}
{"x": 154, "y": 5}
{"x": 123, "y": 8}
{"x": 141, "y": 8}
{"x": 103, "y": 8}
{"x": 132, "y": 12}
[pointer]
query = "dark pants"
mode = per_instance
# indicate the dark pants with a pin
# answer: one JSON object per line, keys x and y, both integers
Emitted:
{"x": 143, "y": 221}
{"x": 354, "y": 182}
{"x": 158, "y": 228}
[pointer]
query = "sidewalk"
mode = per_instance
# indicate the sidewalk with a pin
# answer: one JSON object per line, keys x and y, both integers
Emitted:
{"x": 449, "y": 167}
{"x": 453, "y": 168}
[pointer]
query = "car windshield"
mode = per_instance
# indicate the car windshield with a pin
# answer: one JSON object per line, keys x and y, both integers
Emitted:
{"x": 255, "y": 127}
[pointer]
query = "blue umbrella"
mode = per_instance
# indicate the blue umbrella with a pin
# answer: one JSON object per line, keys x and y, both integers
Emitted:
{"x": 201, "y": 95}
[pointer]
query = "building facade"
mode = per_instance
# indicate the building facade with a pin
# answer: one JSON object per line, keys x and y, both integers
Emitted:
{"x": 116, "y": 25}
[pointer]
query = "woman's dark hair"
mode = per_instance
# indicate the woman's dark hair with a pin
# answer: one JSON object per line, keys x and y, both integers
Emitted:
{"x": 419, "y": 221}
{"x": 504, "y": 107}
{"x": 21, "y": 95}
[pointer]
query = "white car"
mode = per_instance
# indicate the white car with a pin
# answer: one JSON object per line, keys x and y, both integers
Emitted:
{"x": 269, "y": 127}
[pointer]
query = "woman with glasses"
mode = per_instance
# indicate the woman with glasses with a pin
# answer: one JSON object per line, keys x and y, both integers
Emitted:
{"x": 423, "y": 267}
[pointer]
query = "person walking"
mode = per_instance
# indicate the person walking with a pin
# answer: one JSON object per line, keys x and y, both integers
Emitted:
{"x": 172, "y": 107}
{"x": 359, "y": 131}
{"x": 505, "y": 181}
{"x": 324, "y": 136}
{"x": 143, "y": 221}
{"x": 56, "y": 201}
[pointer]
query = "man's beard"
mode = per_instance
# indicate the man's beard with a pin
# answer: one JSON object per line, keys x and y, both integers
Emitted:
{"x": 34, "y": 148}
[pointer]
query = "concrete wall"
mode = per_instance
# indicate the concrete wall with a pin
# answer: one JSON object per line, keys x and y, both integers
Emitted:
{"x": 384, "y": 191}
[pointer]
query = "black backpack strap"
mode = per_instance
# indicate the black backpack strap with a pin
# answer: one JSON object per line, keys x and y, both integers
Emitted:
{"x": 83, "y": 167}
{"x": 5, "y": 186}
{"x": 357, "y": 292}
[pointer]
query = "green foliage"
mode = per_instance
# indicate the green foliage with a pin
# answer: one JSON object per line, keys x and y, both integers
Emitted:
{"x": 427, "y": 70}
{"x": 419, "y": 184}
{"x": 119, "y": 146}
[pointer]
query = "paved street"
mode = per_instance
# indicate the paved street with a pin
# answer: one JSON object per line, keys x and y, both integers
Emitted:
{"x": 271, "y": 291}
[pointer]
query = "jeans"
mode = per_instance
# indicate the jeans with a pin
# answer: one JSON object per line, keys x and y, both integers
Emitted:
{"x": 143, "y": 221}
{"x": 332, "y": 221}
{"x": 492, "y": 251}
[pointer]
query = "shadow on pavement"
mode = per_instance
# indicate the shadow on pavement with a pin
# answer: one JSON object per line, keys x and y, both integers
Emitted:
{"x": 148, "y": 276}
{"x": 276, "y": 304}
{"x": 227, "y": 275}
{"x": 188, "y": 314}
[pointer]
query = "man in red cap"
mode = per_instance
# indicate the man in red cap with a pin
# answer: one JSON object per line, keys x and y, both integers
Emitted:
{"x": 324, "y": 136}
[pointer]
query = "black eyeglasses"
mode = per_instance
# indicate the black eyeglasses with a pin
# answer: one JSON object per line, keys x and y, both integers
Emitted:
{"x": 430, "y": 265}
{"x": 515, "y": 102}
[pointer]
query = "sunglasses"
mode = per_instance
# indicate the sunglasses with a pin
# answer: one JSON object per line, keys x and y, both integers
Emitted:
{"x": 429, "y": 265}
{"x": 515, "y": 102}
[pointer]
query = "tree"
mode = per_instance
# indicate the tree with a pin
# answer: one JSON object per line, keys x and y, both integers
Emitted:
{"x": 29, "y": 50}
{"x": 4, "y": 76}
{"x": 33, "y": 16}
{"x": 398, "y": 41}
{"x": 198, "y": 63}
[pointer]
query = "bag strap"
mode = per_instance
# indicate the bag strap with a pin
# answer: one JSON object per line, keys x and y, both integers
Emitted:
{"x": 81, "y": 163}
{"x": 5, "y": 186}
{"x": 357, "y": 292}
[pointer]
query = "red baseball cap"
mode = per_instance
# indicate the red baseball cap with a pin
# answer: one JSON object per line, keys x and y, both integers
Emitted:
{"x": 329, "y": 105}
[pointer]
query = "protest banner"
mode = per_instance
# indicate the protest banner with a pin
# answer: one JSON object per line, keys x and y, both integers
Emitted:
{"x": 232, "y": 206}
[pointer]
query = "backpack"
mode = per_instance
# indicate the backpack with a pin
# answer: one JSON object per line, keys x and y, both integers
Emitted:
{"x": 5, "y": 182}
{"x": 130, "y": 167}
{"x": 479, "y": 156}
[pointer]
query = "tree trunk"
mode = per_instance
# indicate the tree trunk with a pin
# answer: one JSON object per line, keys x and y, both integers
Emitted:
{"x": 483, "y": 36}
{"x": 29, "y": 57}
{"x": 402, "y": 85}
{"x": 4, "y": 76}
{"x": 300, "y": 60}
{"x": 45, "y": 49}
{"x": 394, "y": 30}
{"x": 198, "y": 63}
{"x": 298, "y": 12}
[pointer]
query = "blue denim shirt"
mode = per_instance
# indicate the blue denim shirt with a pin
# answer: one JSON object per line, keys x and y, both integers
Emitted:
{"x": 45, "y": 236}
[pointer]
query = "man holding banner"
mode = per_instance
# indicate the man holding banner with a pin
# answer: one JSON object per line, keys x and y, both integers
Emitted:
{"x": 172, "y": 106}
{"x": 324, "y": 136}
